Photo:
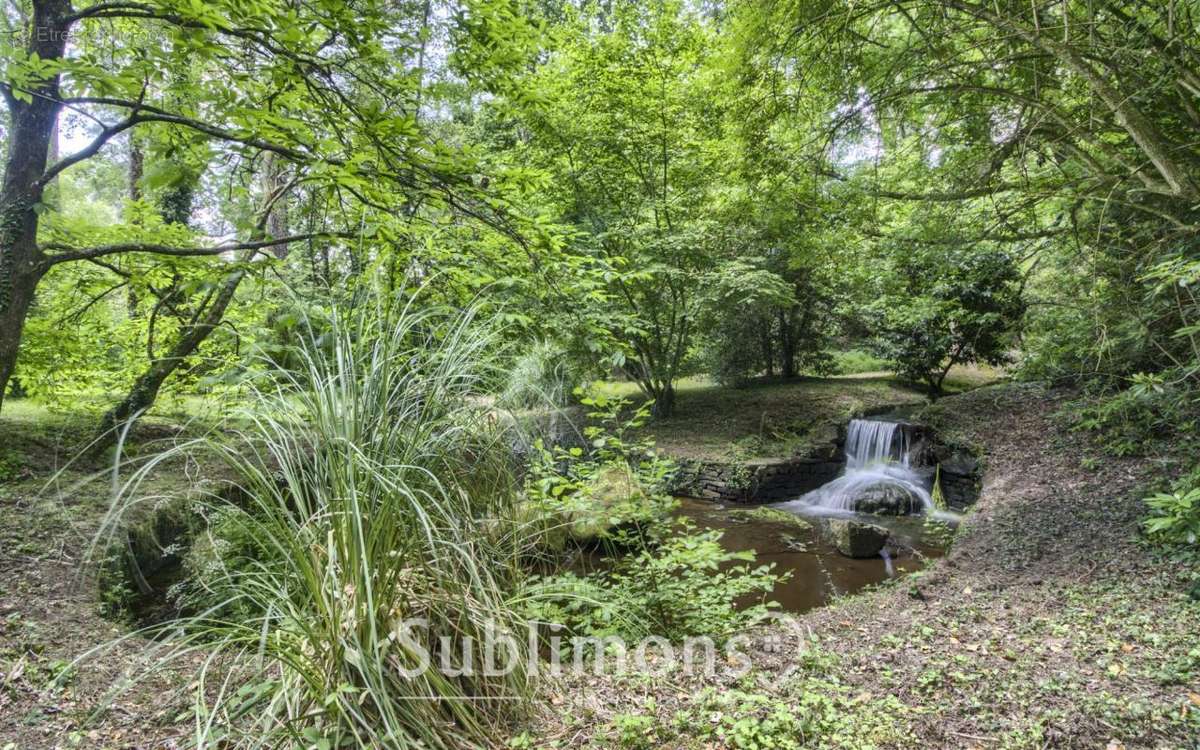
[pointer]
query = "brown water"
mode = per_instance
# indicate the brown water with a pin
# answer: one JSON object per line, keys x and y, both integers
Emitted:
{"x": 818, "y": 571}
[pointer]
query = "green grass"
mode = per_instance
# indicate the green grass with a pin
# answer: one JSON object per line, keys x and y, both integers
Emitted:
{"x": 775, "y": 418}
{"x": 769, "y": 418}
{"x": 857, "y": 362}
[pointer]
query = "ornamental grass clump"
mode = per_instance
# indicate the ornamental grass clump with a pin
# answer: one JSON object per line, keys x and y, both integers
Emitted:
{"x": 366, "y": 527}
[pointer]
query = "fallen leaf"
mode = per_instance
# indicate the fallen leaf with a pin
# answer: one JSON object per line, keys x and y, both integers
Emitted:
{"x": 1194, "y": 698}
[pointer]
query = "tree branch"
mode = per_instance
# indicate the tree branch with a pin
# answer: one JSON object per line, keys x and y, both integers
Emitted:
{"x": 70, "y": 253}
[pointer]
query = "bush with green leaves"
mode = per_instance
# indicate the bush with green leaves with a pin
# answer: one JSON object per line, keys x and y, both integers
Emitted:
{"x": 615, "y": 485}
{"x": 938, "y": 308}
{"x": 1136, "y": 419}
{"x": 682, "y": 583}
{"x": 1174, "y": 517}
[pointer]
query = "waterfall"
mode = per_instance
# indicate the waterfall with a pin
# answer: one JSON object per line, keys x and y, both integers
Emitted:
{"x": 878, "y": 461}
{"x": 869, "y": 441}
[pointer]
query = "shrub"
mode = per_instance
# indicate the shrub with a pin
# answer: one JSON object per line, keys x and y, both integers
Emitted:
{"x": 683, "y": 583}
{"x": 617, "y": 484}
{"x": 668, "y": 579}
{"x": 946, "y": 307}
{"x": 1137, "y": 419}
{"x": 1174, "y": 517}
{"x": 689, "y": 585}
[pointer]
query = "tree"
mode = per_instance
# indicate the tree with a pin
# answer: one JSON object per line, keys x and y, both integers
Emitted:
{"x": 617, "y": 119}
{"x": 1068, "y": 128}
{"x": 742, "y": 301}
{"x": 944, "y": 305}
{"x": 326, "y": 90}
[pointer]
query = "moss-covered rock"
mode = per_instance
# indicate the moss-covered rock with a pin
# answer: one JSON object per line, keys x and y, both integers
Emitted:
{"x": 142, "y": 559}
{"x": 857, "y": 539}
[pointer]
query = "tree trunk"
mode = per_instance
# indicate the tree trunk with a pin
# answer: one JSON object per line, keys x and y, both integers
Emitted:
{"x": 136, "y": 169}
{"x": 277, "y": 219}
{"x": 145, "y": 389}
{"x": 787, "y": 344}
{"x": 664, "y": 401}
{"x": 31, "y": 128}
{"x": 934, "y": 383}
{"x": 137, "y": 166}
{"x": 18, "y": 296}
{"x": 768, "y": 346}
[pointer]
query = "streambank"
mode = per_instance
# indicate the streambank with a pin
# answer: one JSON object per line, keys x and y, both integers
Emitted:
{"x": 1046, "y": 625}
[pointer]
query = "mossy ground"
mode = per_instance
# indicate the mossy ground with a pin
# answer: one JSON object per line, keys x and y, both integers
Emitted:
{"x": 776, "y": 418}
{"x": 766, "y": 514}
{"x": 51, "y": 609}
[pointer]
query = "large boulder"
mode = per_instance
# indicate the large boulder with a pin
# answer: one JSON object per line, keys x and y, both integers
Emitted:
{"x": 888, "y": 499}
{"x": 857, "y": 539}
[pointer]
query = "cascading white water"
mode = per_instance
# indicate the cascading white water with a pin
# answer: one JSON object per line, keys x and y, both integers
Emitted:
{"x": 873, "y": 459}
{"x": 869, "y": 441}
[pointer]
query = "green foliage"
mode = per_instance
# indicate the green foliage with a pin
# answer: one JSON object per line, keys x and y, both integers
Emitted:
{"x": 665, "y": 578}
{"x": 1174, "y": 517}
{"x": 960, "y": 163}
{"x": 935, "y": 492}
{"x": 607, "y": 494}
{"x": 682, "y": 583}
{"x": 1136, "y": 419}
{"x": 543, "y": 376}
{"x": 616, "y": 122}
{"x": 11, "y": 465}
{"x": 947, "y": 307}
{"x": 219, "y": 560}
{"x": 687, "y": 584}
{"x": 634, "y": 731}
{"x": 814, "y": 713}
{"x": 751, "y": 721}
{"x": 371, "y": 490}
{"x": 743, "y": 301}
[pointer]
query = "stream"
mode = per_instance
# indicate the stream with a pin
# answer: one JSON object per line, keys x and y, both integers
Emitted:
{"x": 818, "y": 572}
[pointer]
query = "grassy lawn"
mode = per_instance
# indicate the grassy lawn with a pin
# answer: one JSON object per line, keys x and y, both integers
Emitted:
{"x": 774, "y": 418}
